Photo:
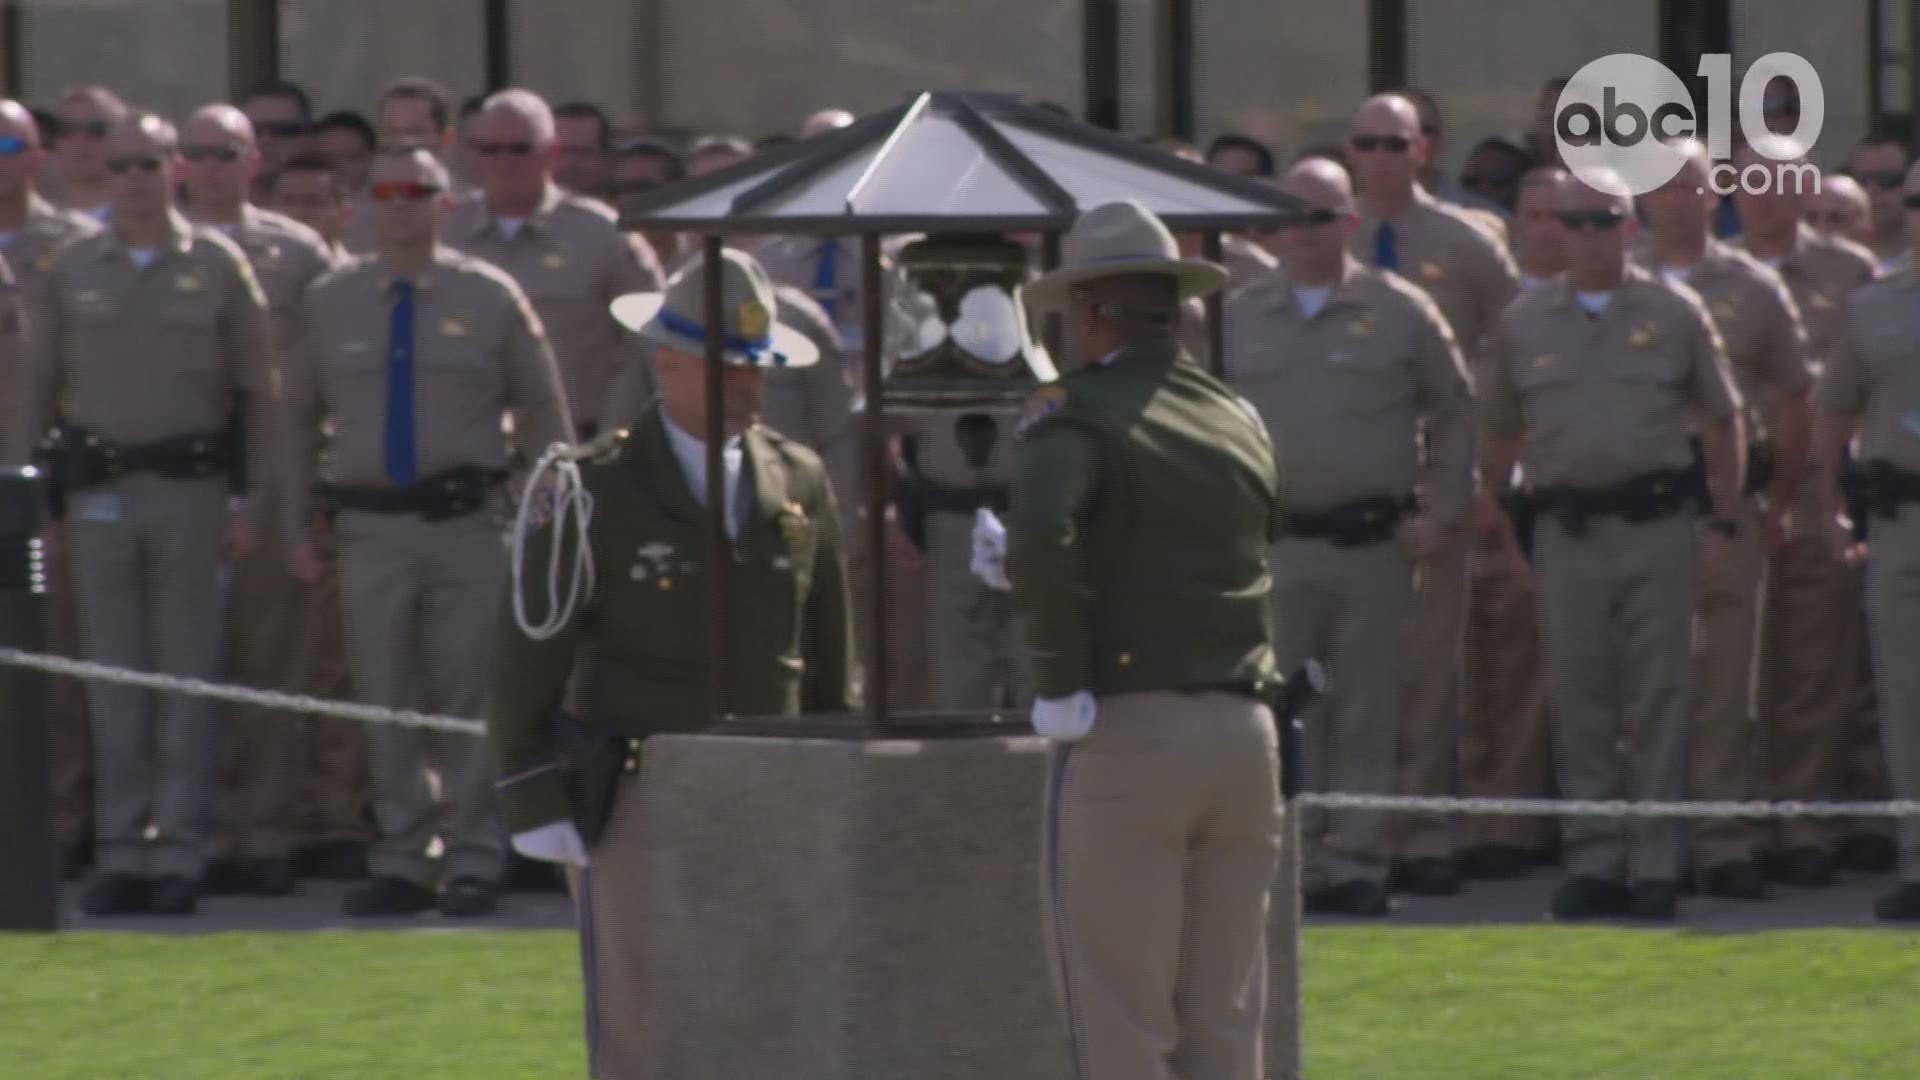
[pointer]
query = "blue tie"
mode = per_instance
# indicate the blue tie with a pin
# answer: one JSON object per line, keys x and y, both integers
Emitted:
{"x": 399, "y": 440}
{"x": 1386, "y": 255}
{"x": 823, "y": 280}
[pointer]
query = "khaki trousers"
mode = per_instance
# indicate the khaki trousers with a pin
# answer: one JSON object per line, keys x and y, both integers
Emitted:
{"x": 1348, "y": 608}
{"x": 1893, "y": 614}
{"x": 1430, "y": 725}
{"x": 972, "y": 636}
{"x": 1503, "y": 738}
{"x": 1814, "y": 642}
{"x": 264, "y": 746}
{"x": 1616, "y": 608}
{"x": 421, "y": 603}
{"x": 332, "y": 797}
{"x": 1726, "y": 751}
{"x": 1162, "y": 842}
{"x": 147, "y": 574}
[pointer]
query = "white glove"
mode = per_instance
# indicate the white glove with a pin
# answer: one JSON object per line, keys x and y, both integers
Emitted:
{"x": 990, "y": 550}
{"x": 556, "y": 841}
{"x": 1065, "y": 719}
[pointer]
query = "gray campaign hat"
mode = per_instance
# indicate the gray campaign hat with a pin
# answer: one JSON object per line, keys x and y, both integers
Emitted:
{"x": 753, "y": 337}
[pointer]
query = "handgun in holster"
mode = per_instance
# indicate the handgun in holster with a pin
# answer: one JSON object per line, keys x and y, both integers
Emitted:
{"x": 1289, "y": 700}
{"x": 1855, "y": 490}
{"x": 1696, "y": 476}
{"x": 592, "y": 760}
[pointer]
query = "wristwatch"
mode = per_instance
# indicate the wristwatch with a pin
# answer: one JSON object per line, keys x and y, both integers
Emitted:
{"x": 1726, "y": 527}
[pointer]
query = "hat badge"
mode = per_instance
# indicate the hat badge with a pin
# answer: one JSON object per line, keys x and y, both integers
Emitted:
{"x": 754, "y": 320}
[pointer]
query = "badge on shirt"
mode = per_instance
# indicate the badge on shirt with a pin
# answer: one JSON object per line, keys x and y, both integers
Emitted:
{"x": 1432, "y": 271}
{"x": 453, "y": 328}
{"x": 1641, "y": 337}
{"x": 1543, "y": 362}
{"x": 187, "y": 283}
{"x": 1361, "y": 325}
{"x": 1726, "y": 311}
{"x": 553, "y": 260}
{"x": 1822, "y": 302}
{"x": 1041, "y": 404}
{"x": 655, "y": 561}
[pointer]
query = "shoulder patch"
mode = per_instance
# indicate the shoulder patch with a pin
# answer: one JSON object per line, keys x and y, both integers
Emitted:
{"x": 540, "y": 502}
{"x": 1043, "y": 403}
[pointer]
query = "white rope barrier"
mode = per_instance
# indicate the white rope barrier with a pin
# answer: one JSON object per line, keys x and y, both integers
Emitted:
{"x": 375, "y": 714}
{"x": 1608, "y": 808}
{"x": 240, "y": 695}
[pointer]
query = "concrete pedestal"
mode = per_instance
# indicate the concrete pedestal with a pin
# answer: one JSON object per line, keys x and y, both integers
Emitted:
{"x": 837, "y": 910}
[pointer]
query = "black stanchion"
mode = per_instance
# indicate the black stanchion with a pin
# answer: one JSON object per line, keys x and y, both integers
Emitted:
{"x": 28, "y": 885}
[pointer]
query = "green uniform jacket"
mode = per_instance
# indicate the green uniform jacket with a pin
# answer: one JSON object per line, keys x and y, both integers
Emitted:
{"x": 1144, "y": 501}
{"x": 643, "y": 635}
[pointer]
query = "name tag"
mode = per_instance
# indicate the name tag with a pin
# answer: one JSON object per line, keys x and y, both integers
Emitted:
{"x": 103, "y": 509}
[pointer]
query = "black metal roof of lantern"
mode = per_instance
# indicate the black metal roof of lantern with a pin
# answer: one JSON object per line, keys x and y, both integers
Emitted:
{"x": 957, "y": 162}
{"x": 940, "y": 163}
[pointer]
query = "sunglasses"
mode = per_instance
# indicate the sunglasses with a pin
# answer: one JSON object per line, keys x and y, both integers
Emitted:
{"x": 1367, "y": 144}
{"x": 1308, "y": 219}
{"x": 496, "y": 149}
{"x": 1488, "y": 181}
{"x": 211, "y": 153}
{"x": 12, "y": 145}
{"x": 396, "y": 190}
{"x": 1832, "y": 218}
{"x": 1598, "y": 220}
{"x": 1888, "y": 178}
{"x": 125, "y": 165}
{"x": 97, "y": 129}
{"x": 283, "y": 129}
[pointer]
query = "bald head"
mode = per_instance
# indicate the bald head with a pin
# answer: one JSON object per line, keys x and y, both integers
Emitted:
{"x": 1319, "y": 182}
{"x": 219, "y": 123}
{"x": 16, "y": 121}
{"x": 1539, "y": 244}
{"x": 824, "y": 121}
{"x": 19, "y": 170}
{"x": 1387, "y": 114}
{"x": 528, "y": 108}
{"x": 1842, "y": 208}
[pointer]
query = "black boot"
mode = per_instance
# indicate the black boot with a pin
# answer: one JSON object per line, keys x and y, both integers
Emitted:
{"x": 1359, "y": 897}
{"x": 1424, "y": 877}
{"x": 384, "y": 896}
{"x": 114, "y": 894}
{"x": 1580, "y": 898}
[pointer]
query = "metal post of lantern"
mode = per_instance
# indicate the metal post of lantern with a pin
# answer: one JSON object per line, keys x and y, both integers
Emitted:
{"x": 719, "y": 549}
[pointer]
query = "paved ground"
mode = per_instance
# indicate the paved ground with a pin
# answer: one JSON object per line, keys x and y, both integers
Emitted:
{"x": 317, "y": 907}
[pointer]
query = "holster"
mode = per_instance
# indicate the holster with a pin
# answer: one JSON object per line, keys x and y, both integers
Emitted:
{"x": 592, "y": 760}
{"x": 1289, "y": 699}
{"x": 1853, "y": 489}
{"x": 54, "y": 459}
{"x": 76, "y": 459}
{"x": 1877, "y": 489}
{"x": 1644, "y": 498}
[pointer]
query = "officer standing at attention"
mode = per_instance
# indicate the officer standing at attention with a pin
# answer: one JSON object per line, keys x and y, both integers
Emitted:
{"x": 263, "y": 746}
{"x": 1813, "y": 640}
{"x": 1600, "y": 380}
{"x": 31, "y": 230}
{"x": 149, "y": 338}
{"x": 1469, "y": 275}
{"x": 565, "y": 251}
{"x": 1503, "y": 739}
{"x": 1759, "y": 324}
{"x": 412, "y": 112}
{"x": 1163, "y": 812}
{"x": 1879, "y": 164}
{"x": 87, "y": 115}
{"x": 1841, "y": 210}
{"x": 1871, "y": 390}
{"x": 791, "y": 648}
{"x": 1348, "y": 365}
{"x": 413, "y": 357}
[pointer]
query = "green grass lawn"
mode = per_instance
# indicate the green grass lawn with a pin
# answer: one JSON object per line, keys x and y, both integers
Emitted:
{"x": 1539, "y": 1003}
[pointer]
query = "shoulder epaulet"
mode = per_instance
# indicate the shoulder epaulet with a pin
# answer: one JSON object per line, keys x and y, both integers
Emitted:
{"x": 590, "y": 206}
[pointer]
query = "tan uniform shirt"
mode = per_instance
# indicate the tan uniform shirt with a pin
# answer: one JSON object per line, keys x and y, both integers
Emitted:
{"x": 479, "y": 352}
{"x": 571, "y": 260}
{"x": 1604, "y": 398}
{"x": 29, "y": 249}
{"x": 798, "y": 261}
{"x": 135, "y": 355}
{"x": 816, "y": 406}
{"x": 1454, "y": 260}
{"x": 1822, "y": 272}
{"x": 1759, "y": 325}
{"x": 1344, "y": 391}
{"x": 1874, "y": 371}
{"x": 286, "y": 257}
